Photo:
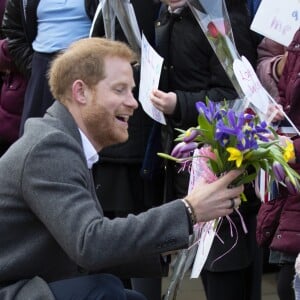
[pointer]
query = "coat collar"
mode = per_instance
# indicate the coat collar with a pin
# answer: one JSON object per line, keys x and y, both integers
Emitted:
{"x": 65, "y": 119}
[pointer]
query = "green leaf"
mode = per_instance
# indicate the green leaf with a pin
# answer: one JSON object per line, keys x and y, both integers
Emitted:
{"x": 246, "y": 178}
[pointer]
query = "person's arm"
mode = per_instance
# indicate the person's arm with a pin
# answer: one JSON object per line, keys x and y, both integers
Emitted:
{"x": 13, "y": 29}
{"x": 180, "y": 106}
{"x": 209, "y": 81}
{"x": 271, "y": 60}
{"x": 56, "y": 188}
{"x": 5, "y": 59}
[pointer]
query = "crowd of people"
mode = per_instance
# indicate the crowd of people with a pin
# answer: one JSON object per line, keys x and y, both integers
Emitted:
{"x": 88, "y": 210}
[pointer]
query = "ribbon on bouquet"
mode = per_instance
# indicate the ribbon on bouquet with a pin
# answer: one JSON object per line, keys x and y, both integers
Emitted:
{"x": 201, "y": 240}
{"x": 186, "y": 257}
{"x": 207, "y": 231}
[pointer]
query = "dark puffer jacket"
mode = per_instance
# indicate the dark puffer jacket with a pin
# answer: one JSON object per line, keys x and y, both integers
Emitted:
{"x": 11, "y": 97}
{"x": 287, "y": 236}
{"x": 13, "y": 86}
{"x": 289, "y": 83}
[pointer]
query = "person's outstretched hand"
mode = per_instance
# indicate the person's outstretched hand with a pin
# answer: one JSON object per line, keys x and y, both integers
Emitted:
{"x": 213, "y": 200}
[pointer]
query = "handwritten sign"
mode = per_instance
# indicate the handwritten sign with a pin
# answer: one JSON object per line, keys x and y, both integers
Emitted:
{"x": 256, "y": 94}
{"x": 277, "y": 20}
{"x": 151, "y": 64}
{"x": 250, "y": 84}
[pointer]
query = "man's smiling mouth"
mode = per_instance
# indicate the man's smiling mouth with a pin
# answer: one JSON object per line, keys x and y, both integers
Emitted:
{"x": 123, "y": 118}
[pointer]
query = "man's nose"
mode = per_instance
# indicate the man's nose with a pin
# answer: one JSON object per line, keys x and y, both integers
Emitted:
{"x": 132, "y": 102}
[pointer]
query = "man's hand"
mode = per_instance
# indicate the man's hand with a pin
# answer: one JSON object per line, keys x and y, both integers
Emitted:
{"x": 216, "y": 199}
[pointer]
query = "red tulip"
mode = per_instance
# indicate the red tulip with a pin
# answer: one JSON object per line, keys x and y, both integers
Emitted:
{"x": 217, "y": 27}
{"x": 249, "y": 111}
{"x": 212, "y": 29}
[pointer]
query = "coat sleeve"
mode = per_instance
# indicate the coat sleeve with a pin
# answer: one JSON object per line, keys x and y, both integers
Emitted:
{"x": 186, "y": 113}
{"x": 13, "y": 28}
{"x": 5, "y": 59}
{"x": 269, "y": 54}
{"x": 63, "y": 202}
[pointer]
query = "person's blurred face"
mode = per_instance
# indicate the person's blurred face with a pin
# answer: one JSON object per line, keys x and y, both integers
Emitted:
{"x": 176, "y": 3}
{"x": 112, "y": 103}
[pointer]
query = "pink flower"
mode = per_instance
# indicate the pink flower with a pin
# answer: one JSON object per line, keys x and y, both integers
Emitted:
{"x": 206, "y": 173}
{"x": 206, "y": 153}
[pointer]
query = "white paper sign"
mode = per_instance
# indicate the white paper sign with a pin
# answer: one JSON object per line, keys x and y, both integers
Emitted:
{"x": 255, "y": 93}
{"x": 277, "y": 20}
{"x": 151, "y": 64}
{"x": 250, "y": 84}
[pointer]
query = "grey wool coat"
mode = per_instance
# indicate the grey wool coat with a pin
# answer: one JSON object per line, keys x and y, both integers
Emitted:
{"x": 52, "y": 226}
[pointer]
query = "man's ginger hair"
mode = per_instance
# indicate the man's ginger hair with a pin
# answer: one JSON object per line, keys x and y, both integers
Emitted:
{"x": 84, "y": 60}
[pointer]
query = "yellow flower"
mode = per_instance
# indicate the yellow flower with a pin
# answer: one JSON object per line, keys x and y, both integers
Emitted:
{"x": 289, "y": 152}
{"x": 235, "y": 155}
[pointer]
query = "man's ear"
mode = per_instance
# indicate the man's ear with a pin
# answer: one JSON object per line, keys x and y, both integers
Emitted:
{"x": 79, "y": 91}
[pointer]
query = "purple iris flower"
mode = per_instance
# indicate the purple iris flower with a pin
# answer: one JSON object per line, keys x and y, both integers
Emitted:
{"x": 211, "y": 111}
{"x": 248, "y": 142}
{"x": 206, "y": 110}
{"x": 222, "y": 137}
{"x": 234, "y": 127}
{"x": 220, "y": 113}
{"x": 260, "y": 129}
{"x": 242, "y": 127}
{"x": 248, "y": 117}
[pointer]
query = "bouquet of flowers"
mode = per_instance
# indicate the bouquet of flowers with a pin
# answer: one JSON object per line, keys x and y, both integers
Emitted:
{"x": 225, "y": 139}
{"x": 229, "y": 140}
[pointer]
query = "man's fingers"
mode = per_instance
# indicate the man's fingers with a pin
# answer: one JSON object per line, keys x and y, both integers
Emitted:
{"x": 233, "y": 203}
{"x": 226, "y": 179}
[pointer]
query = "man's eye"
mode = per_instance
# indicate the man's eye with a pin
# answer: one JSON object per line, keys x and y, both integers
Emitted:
{"x": 119, "y": 90}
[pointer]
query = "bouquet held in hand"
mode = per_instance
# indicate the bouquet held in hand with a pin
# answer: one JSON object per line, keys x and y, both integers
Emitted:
{"x": 230, "y": 140}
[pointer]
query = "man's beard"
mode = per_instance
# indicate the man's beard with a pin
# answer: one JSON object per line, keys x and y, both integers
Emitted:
{"x": 101, "y": 127}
